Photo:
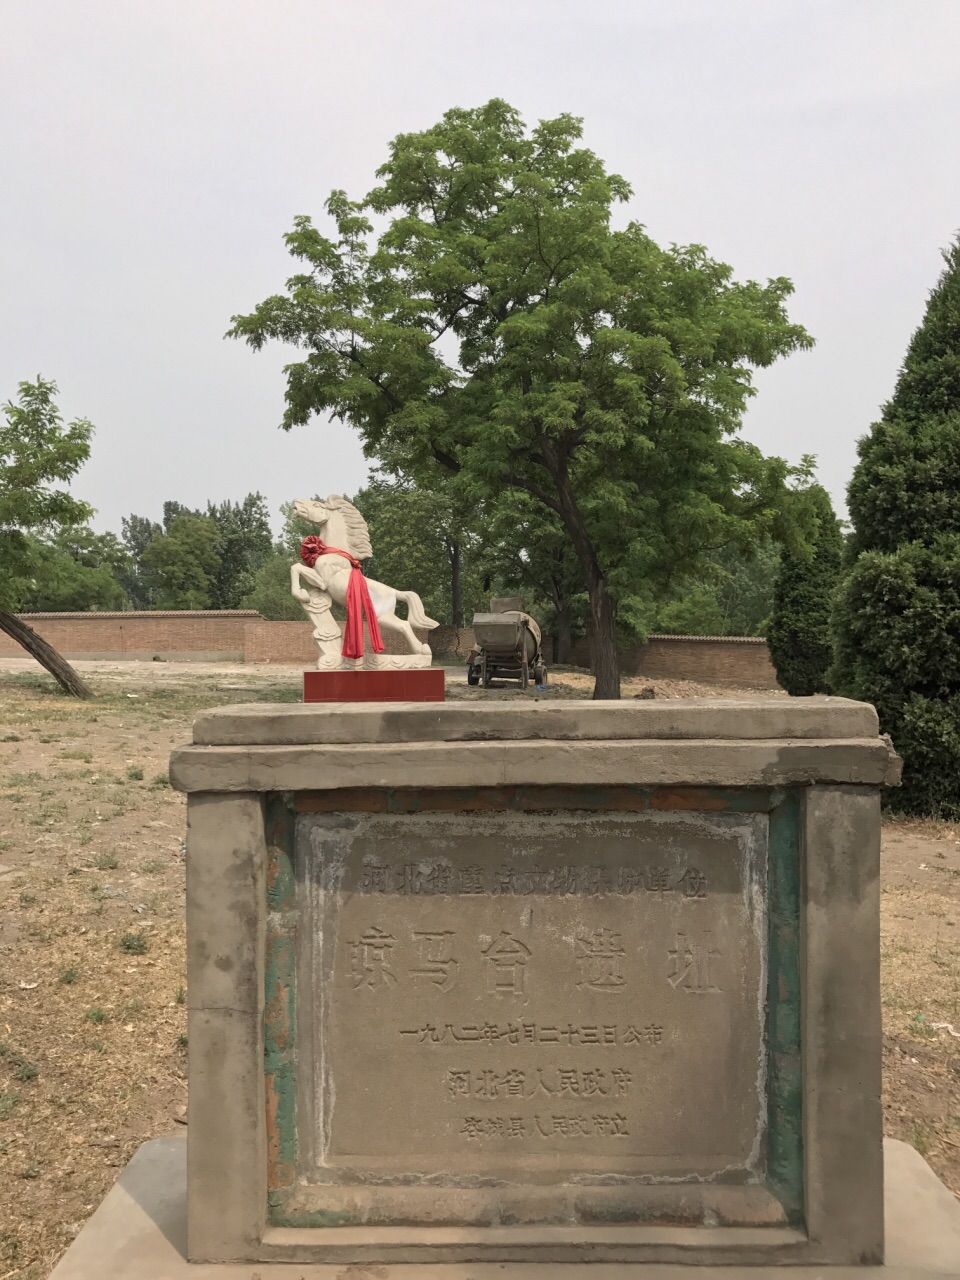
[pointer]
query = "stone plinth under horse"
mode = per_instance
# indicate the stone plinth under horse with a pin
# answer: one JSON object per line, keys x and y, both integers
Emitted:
{"x": 327, "y": 580}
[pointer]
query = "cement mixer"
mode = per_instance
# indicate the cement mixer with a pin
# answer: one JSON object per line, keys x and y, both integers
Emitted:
{"x": 508, "y": 647}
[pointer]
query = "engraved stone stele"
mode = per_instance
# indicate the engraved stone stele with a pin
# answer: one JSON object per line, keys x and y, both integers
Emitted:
{"x": 326, "y": 580}
{"x": 538, "y": 984}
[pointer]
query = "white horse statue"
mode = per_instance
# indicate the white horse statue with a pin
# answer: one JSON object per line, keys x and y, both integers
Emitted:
{"x": 342, "y": 526}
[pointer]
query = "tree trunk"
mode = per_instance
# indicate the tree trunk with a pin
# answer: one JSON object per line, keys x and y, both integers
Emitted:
{"x": 456, "y": 599}
{"x": 605, "y": 660}
{"x": 563, "y": 634}
{"x": 46, "y": 655}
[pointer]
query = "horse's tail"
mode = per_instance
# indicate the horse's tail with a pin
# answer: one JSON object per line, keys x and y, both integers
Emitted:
{"x": 415, "y": 614}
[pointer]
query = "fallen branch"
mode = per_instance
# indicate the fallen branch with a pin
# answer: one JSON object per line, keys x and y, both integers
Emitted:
{"x": 46, "y": 655}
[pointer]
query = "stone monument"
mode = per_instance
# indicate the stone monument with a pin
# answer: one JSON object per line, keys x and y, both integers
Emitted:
{"x": 490, "y": 992}
{"x": 542, "y": 983}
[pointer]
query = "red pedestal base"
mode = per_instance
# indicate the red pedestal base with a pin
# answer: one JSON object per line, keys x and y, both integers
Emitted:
{"x": 422, "y": 685}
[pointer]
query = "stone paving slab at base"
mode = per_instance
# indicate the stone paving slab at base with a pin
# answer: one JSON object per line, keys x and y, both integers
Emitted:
{"x": 139, "y": 1233}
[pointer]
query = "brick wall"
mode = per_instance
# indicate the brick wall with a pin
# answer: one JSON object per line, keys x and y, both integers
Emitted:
{"x": 245, "y": 636}
{"x": 740, "y": 661}
{"x": 239, "y": 635}
{"x": 210, "y": 636}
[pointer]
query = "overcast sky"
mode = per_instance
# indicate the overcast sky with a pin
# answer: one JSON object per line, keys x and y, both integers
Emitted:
{"x": 152, "y": 155}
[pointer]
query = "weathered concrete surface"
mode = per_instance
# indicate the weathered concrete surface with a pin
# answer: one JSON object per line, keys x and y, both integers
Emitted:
{"x": 376, "y": 905}
{"x": 226, "y": 866}
{"x": 841, "y": 1035}
{"x": 569, "y": 996}
{"x": 263, "y": 724}
{"x": 139, "y": 1233}
{"x": 690, "y": 762}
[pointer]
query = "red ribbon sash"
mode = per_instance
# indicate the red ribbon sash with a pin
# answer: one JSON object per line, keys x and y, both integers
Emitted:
{"x": 359, "y": 604}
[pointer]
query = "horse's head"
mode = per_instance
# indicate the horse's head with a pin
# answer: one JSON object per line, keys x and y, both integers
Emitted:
{"x": 312, "y": 509}
{"x": 343, "y": 525}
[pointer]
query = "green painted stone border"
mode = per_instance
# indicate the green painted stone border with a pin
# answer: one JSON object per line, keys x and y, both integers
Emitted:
{"x": 784, "y": 1138}
{"x": 784, "y": 1078}
{"x": 279, "y": 1003}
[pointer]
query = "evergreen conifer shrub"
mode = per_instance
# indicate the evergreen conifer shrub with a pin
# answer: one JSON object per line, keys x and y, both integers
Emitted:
{"x": 799, "y": 634}
{"x": 898, "y": 613}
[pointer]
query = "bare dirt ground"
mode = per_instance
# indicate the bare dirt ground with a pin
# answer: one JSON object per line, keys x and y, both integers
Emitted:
{"x": 92, "y": 1002}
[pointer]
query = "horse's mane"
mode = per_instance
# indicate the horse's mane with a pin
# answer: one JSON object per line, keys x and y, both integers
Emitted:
{"x": 357, "y": 529}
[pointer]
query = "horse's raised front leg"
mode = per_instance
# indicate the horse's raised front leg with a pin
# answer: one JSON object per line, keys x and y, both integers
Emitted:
{"x": 316, "y": 605}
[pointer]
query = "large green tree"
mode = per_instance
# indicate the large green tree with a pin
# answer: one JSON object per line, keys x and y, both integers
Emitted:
{"x": 244, "y": 541}
{"x": 37, "y": 451}
{"x": 898, "y": 616}
{"x": 799, "y": 635}
{"x": 180, "y": 566}
{"x": 501, "y": 327}
{"x": 137, "y": 532}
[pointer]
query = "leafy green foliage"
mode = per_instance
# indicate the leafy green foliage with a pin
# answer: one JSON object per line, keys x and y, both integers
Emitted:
{"x": 137, "y": 532}
{"x": 898, "y": 630}
{"x": 238, "y": 531}
{"x": 898, "y": 615}
{"x": 424, "y": 540}
{"x": 180, "y": 566}
{"x": 528, "y": 553}
{"x": 732, "y": 596}
{"x": 245, "y": 542}
{"x": 78, "y": 569}
{"x": 36, "y": 451}
{"x": 501, "y": 328}
{"x": 799, "y": 634}
{"x": 269, "y": 590}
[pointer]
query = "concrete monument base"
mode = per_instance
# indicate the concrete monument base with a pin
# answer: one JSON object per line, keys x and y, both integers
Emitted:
{"x": 556, "y": 984}
{"x": 139, "y": 1232}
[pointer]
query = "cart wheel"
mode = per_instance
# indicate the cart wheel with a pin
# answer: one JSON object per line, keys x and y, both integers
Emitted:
{"x": 473, "y": 676}
{"x": 540, "y": 675}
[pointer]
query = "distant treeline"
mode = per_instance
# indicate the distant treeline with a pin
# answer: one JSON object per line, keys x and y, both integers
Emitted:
{"x": 226, "y": 557}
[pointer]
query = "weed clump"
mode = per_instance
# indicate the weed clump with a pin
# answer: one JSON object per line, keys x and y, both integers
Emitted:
{"x": 23, "y": 1069}
{"x": 135, "y": 944}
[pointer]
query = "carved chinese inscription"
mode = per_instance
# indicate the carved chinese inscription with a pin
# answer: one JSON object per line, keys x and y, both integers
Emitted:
{"x": 369, "y": 959}
{"x": 518, "y": 1083}
{"x": 507, "y": 957}
{"x": 429, "y": 876}
{"x": 581, "y": 983}
{"x": 435, "y": 964}
{"x": 690, "y": 961}
{"x": 549, "y": 1126}
{"x": 600, "y": 955}
{"x": 527, "y": 1033}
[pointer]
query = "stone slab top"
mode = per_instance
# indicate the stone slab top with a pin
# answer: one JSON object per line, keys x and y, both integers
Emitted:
{"x": 723, "y": 719}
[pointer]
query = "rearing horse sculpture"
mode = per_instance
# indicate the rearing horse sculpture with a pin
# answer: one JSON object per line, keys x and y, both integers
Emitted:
{"x": 344, "y": 528}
